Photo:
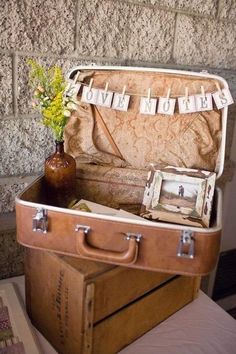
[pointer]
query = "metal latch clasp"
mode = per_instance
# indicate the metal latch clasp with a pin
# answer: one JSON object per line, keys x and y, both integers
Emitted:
{"x": 186, "y": 240}
{"x": 40, "y": 221}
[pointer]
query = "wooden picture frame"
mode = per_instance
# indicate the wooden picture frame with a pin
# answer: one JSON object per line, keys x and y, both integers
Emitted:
{"x": 179, "y": 195}
{"x": 22, "y": 335}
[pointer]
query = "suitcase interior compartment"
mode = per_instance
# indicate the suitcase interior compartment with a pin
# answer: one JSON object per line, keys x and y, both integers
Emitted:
{"x": 123, "y": 192}
{"x": 113, "y": 138}
{"x": 114, "y": 173}
{"x": 194, "y": 140}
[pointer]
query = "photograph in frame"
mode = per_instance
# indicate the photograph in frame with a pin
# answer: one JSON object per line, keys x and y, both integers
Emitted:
{"x": 179, "y": 195}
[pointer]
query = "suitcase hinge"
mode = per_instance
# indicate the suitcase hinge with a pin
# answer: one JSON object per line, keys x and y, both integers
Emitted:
{"x": 186, "y": 245}
{"x": 130, "y": 235}
{"x": 40, "y": 221}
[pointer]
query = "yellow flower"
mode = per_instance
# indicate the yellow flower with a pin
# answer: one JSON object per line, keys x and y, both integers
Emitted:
{"x": 50, "y": 97}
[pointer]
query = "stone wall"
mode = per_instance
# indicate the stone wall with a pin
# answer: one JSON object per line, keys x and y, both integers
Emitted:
{"x": 191, "y": 35}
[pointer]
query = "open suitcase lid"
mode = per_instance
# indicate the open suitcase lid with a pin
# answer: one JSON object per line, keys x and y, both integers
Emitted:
{"x": 112, "y": 137}
{"x": 86, "y": 140}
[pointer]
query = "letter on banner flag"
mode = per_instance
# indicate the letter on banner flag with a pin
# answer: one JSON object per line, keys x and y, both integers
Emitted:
{"x": 72, "y": 89}
{"x": 148, "y": 105}
{"x": 223, "y": 98}
{"x": 104, "y": 98}
{"x": 187, "y": 104}
{"x": 204, "y": 102}
{"x": 166, "y": 105}
{"x": 89, "y": 95}
{"x": 120, "y": 102}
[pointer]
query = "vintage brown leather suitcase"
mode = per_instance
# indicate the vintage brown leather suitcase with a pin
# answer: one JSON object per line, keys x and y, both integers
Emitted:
{"x": 89, "y": 307}
{"x": 113, "y": 151}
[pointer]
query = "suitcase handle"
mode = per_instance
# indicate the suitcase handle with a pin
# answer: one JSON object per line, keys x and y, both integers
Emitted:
{"x": 127, "y": 257}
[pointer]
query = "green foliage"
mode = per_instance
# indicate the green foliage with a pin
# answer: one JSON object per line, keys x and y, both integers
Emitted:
{"x": 49, "y": 97}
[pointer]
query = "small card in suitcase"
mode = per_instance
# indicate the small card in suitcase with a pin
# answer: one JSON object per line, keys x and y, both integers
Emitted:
{"x": 153, "y": 117}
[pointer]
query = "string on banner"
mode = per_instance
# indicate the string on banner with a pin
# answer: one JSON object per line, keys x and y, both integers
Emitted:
{"x": 149, "y": 104}
{"x": 132, "y": 93}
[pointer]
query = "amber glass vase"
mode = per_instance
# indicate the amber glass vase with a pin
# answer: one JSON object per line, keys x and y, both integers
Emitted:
{"x": 60, "y": 177}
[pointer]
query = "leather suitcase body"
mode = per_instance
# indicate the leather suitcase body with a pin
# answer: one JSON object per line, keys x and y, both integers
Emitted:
{"x": 91, "y": 307}
{"x": 113, "y": 151}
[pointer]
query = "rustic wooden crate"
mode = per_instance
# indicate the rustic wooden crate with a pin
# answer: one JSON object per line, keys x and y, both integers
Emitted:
{"x": 88, "y": 307}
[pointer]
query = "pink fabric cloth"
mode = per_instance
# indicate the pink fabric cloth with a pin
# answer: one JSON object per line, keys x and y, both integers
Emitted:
{"x": 17, "y": 348}
{"x": 4, "y": 319}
